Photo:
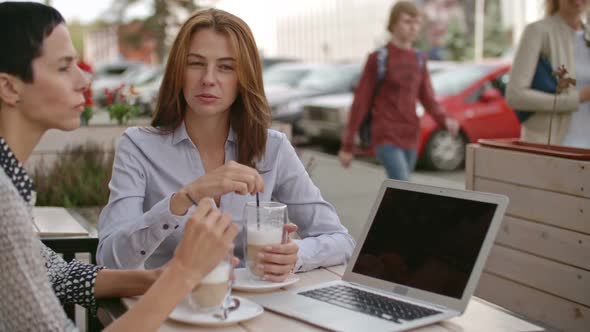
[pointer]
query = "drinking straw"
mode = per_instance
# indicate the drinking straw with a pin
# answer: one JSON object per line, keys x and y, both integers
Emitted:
{"x": 257, "y": 211}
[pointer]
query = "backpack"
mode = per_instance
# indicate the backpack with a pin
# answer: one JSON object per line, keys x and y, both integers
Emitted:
{"x": 365, "y": 128}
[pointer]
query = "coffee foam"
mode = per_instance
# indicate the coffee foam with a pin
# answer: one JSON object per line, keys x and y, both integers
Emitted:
{"x": 219, "y": 274}
{"x": 264, "y": 236}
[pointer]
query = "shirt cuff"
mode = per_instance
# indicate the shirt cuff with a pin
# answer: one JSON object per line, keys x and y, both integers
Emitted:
{"x": 161, "y": 220}
{"x": 299, "y": 264}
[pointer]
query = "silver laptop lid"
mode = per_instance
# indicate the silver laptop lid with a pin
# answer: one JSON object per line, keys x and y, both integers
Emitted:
{"x": 427, "y": 243}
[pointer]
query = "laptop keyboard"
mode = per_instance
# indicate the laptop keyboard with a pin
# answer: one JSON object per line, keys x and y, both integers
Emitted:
{"x": 369, "y": 303}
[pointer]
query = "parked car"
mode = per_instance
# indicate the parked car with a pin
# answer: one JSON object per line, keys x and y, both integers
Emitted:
{"x": 324, "y": 116}
{"x": 110, "y": 76}
{"x": 472, "y": 93}
{"x": 268, "y": 62}
{"x": 286, "y": 101}
{"x": 148, "y": 88}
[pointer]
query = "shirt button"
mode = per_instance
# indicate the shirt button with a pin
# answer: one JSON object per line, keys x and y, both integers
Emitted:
{"x": 165, "y": 226}
{"x": 142, "y": 252}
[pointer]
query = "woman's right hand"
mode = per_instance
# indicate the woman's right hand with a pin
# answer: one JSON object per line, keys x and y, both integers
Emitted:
{"x": 207, "y": 239}
{"x": 231, "y": 177}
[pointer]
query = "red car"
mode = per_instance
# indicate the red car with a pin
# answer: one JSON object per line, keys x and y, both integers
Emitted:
{"x": 472, "y": 93}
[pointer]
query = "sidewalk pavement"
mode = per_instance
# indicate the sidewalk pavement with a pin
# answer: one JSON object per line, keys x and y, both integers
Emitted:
{"x": 353, "y": 191}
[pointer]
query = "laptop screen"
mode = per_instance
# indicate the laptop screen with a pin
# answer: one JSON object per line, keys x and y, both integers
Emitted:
{"x": 425, "y": 241}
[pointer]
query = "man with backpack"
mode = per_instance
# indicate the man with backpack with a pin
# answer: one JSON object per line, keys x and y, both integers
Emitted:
{"x": 383, "y": 112}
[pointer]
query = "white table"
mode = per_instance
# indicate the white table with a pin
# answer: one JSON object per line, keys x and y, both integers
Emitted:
{"x": 480, "y": 315}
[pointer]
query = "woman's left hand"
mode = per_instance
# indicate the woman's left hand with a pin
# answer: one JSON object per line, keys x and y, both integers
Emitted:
{"x": 278, "y": 261}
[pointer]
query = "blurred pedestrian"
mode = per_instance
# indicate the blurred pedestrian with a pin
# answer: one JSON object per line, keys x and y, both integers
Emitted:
{"x": 561, "y": 39}
{"x": 395, "y": 77}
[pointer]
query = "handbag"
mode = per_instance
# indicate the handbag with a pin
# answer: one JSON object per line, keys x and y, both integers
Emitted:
{"x": 543, "y": 80}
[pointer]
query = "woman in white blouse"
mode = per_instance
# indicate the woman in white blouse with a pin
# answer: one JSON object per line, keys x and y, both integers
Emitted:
{"x": 210, "y": 137}
{"x": 554, "y": 38}
{"x": 41, "y": 88}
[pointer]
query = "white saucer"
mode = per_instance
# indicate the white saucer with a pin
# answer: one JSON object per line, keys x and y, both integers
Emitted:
{"x": 186, "y": 314}
{"x": 244, "y": 283}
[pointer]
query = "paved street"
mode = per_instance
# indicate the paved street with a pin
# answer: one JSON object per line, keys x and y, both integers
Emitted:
{"x": 352, "y": 191}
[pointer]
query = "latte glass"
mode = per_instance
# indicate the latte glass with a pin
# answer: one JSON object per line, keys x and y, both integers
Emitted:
{"x": 264, "y": 227}
{"x": 211, "y": 293}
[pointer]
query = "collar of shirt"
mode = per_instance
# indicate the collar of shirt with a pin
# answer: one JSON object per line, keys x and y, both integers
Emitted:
{"x": 16, "y": 172}
{"x": 180, "y": 134}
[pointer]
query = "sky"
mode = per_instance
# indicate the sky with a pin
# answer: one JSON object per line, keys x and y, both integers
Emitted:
{"x": 86, "y": 11}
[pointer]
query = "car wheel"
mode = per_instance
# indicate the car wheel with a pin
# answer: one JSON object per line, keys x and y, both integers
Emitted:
{"x": 444, "y": 152}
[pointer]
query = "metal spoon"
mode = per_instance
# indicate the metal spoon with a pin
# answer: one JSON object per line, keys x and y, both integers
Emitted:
{"x": 234, "y": 305}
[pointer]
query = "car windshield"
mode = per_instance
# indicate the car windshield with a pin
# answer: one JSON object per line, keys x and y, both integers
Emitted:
{"x": 455, "y": 80}
{"x": 284, "y": 75}
{"x": 333, "y": 78}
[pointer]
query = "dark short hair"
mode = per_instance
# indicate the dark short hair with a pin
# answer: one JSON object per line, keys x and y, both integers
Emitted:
{"x": 23, "y": 27}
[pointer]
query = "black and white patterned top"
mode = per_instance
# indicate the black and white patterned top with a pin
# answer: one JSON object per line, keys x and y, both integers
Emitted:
{"x": 72, "y": 282}
{"x": 15, "y": 171}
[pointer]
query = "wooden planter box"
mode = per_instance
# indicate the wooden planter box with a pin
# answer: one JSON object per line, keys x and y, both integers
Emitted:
{"x": 540, "y": 263}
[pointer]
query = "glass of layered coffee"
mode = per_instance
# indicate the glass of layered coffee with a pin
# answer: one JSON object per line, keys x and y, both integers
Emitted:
{"x": 264, "y": 227}
{"x": 210, "y": 294}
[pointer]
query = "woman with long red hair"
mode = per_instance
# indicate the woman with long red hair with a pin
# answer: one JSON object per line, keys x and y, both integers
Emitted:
{"x": 210, "y": 136}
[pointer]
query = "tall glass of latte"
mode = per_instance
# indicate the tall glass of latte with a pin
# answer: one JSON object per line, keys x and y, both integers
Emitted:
{"x": 264, "y": 227}
{"x": 210, "y": 294}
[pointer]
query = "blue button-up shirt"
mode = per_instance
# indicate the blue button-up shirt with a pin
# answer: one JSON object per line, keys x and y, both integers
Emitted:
{"x": 137, "y": 229}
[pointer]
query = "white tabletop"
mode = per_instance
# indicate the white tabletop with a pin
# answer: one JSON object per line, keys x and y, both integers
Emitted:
{"x": 56, "y": 222}
{"x": 480, "y": 316}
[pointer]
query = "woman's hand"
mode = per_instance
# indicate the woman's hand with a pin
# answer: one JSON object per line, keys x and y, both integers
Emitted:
{"x": 278, "y": 261}
{"x": 345, "y": 158}
{"x": 231, "y": 177}
{"x": 585, "y": 94}
{"x": 207, "y": 239}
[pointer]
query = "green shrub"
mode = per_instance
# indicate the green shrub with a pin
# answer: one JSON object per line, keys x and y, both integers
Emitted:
{"x": 79, "y": 178}
{"x": 122, "y": 112}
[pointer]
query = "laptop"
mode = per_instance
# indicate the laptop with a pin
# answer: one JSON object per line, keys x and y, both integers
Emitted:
{"x": 417, "y": 262}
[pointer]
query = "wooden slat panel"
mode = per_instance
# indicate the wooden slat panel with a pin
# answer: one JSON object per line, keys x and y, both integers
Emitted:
{"x": 561, "y": 245}
{"x": 565, "y": 211}
{"x": 544, "y": 172}
{"x": 552, "y": 310}
{"x": 558, "y": 279}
